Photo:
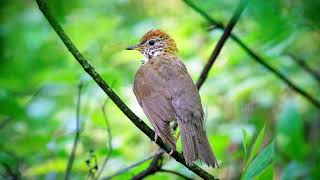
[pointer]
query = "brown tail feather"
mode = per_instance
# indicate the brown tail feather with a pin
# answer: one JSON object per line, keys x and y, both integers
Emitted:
{"x": 195, "y": 145}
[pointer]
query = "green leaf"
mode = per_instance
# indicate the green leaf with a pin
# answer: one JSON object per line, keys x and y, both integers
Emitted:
{"x": 266, "y": 174}
{"x": 256, "y": 146}
{"x": 249, "y": 140}
{"x": 244, "y": 140}
{"x": 261, "y": 162}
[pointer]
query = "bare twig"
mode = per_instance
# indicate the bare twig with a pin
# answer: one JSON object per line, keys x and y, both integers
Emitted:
{"x": 77, "y": 137}
{"x": 133, "y": 165}
{"x": 109, "y": 140}
{"x": 154, "y": 166}
{"x": 222, "y": 40}
{"x": 112, "y": 95}
{"x": 306, "y": 67}
{"x": 255, "y": 56}
{"x": 203, "y": 74}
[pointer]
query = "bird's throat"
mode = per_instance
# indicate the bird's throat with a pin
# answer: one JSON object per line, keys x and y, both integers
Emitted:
{"x": 147, "y": 57}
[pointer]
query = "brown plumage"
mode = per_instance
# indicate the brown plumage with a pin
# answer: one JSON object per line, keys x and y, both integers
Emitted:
{"x": 166, "y": 93}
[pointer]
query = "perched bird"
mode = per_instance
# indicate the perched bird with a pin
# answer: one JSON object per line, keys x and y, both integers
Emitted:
{"x": 166, "y": 93}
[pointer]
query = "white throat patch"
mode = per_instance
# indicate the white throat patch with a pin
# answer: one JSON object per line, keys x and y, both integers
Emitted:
{"x": 147, "y": 57}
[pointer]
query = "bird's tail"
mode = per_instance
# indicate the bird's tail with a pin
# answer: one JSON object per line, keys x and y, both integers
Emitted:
{"x": 196, "y": 145}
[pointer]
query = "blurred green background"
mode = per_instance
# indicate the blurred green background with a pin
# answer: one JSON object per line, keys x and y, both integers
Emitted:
{"x": 39, "y": 81}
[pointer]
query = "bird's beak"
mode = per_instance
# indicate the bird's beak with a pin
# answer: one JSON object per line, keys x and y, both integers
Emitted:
{"x": 133, "y": 47}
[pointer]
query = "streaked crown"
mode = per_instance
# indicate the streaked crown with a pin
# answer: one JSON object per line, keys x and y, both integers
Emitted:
{"x": 155, "y": 42}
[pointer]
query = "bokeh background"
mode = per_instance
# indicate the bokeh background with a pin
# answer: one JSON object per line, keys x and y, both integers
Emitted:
{"x": 39, "y": 81}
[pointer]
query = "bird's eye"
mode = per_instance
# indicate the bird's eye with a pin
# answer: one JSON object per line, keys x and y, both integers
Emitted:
{"x": 151, "y": 42}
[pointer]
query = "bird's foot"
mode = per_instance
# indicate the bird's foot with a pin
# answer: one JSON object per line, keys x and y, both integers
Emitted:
{"x": 171, "y": 152}
{"x": 155, "y": 137}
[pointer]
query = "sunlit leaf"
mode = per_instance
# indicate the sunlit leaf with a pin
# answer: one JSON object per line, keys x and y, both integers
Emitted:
{"x": 260, "y": 162}
{"x": 256, "y": 146}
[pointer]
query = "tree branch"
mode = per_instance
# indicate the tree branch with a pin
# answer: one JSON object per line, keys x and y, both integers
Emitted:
{"x": 306, "y": 67}
{"x": 76, "y": 139}
{"x": 222, "y": 40}
{"x": 112, "y": 95}
{"x": 154, "y": 166}
{"x": 255, "y": 56}
{"x": 240, "y": 8}
{"x": 133, "y": 165}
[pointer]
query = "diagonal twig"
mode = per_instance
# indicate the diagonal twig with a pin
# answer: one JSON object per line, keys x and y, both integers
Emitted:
{"x": 222, "y": 40}
{"x": 112, "y": 95}
{"x": 303, "y": 64}
{"x": 255, "y": 56}
{"x": 77, "y": 137}
{"x": 126, "y": 169}
{"x": 109, "y": 139}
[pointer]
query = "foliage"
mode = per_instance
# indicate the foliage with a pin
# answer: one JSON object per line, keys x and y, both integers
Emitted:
{"x": 39, "y": 78}
{"x": 260, "y": 165}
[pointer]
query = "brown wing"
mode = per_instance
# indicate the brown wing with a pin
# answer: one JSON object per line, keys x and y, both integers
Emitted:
{"x": 189, "y": 113}
{"x": 151, "y": 93}
{"x": 185, "y": 96}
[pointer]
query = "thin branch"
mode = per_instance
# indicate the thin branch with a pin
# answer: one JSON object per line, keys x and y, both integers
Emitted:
{"x": 176, "y": 173}
{"x": 153, "y": 167}
{"x": 133, "y": 165}
{"x": 204, "y": 73}
{"x": 109, "y": 140}
{"x": 112, "y": 95}
{"x": 222, "y": 40}
{"x": 35, "y": 95}
{"x": 255, "y": 56}
{"x": 77, "y": 136}
{"x": 306, "y": 67}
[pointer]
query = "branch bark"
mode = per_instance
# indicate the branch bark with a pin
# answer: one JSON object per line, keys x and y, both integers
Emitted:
{"x": 126, "y": 169}
{"x": 255, "y": 56}
{"x": 112, "y": 95}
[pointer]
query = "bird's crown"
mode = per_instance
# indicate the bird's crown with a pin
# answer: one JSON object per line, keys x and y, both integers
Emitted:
{"x": 158, "y": 35}
{"x": 155, "y": 42}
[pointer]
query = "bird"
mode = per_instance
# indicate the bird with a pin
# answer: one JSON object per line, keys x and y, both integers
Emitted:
{"x": 166, "y": 93}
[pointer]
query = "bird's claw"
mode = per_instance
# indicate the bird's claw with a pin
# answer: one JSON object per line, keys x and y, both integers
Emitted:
{"x": 155, "y": 137}
{"x": 171, "y": 152}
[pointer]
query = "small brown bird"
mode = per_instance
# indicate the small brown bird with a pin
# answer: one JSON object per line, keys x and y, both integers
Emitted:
{"x": 166, "y": 93}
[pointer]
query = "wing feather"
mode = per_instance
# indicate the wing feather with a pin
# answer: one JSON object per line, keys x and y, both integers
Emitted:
{"x": 149, "y": 91}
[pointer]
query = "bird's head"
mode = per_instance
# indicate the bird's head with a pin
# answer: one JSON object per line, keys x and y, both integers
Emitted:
{"x": 155, "y": 42}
